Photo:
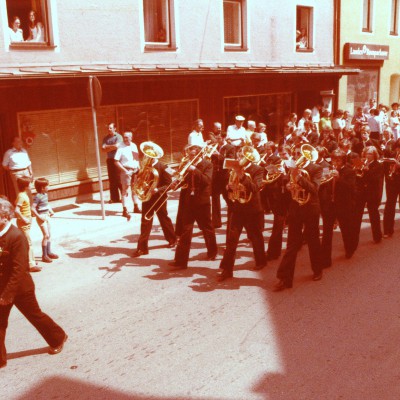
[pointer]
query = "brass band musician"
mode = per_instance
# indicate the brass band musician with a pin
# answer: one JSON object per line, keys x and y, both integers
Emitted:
{"x": 151, "y": 184}
{"x": 304, "y": 210}
{"x": 195, "y": 206}
{"x": 246, "y": 211}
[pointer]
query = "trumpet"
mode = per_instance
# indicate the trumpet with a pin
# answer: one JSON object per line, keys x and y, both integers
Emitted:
{"x": 360, "y": 167}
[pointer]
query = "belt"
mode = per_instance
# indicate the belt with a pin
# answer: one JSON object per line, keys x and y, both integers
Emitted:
{"x": 18, "y": 170}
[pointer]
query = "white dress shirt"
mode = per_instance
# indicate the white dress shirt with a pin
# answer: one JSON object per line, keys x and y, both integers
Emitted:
{"x": 16, "y": 159}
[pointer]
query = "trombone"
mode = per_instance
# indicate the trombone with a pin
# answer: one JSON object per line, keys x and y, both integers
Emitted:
{"x": 180, "y": 176}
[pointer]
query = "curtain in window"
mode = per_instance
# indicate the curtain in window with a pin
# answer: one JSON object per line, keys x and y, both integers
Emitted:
{"x": 232, "y": 22}
{"x": 156, "y": 21}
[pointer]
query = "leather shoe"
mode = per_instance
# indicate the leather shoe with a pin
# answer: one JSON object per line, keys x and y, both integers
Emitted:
{"x": 53, "y": 256}
{"x": 58, "y": 349}
{"x": 212, "y": 257}
{"x": 224, "y": 275}
{"x": 171, "y": 245}
{"x": 137, "y": 209}
{"x": 279, "y": 286}
{"x": 4, "y": 364}
{"x": 176, "y": 267}
{"x": 46, "y": 259}
{"x": 35, "y": 269}
{"x": 259, "y": 267}
{"x": 388, "y": 235}
{"x": 317, "y": 276}
{"x": 139, "y": 253}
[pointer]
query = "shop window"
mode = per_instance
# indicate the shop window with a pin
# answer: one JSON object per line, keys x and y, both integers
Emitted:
{"x": 367, "y": 16}
{"x": 61, "y": 144}
{"x": 394, "y": 21}
{"x": 235, "y": 25}
{"x": 304, "y": 28}
{"x": 158, "y": 19}
{"x": 270, "y": 109}
{"x": 28, "y": 22}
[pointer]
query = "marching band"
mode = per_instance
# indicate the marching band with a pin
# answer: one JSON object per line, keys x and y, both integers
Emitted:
{"x": 308, "y": 176}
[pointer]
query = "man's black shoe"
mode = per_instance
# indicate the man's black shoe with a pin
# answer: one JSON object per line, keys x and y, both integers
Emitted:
{"x": 280, "y": 285}
{"x": 58, "y": 349}
{"x": 171, "y": 245}
{"x": 176, "y": 267}
{"x": 139, "y": 253}
{"x": 224, "y": 275}
{"x": 317, "y": 276}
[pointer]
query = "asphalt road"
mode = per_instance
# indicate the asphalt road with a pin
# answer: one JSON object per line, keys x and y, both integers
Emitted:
{"x": 138, "y": 331}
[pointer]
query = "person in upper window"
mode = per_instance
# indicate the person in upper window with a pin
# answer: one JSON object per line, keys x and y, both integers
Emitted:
{"x": 36, "y": 28}
{"x": 301, "y": 39}
{"x": 15, "y": 32}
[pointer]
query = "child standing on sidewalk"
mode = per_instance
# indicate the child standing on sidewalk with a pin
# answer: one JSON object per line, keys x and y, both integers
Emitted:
{"x": 42, "y": 210}
{"x": 24, "y": 217}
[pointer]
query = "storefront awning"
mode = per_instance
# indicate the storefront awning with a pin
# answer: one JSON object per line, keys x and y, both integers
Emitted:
{"x": 73, "y": 71}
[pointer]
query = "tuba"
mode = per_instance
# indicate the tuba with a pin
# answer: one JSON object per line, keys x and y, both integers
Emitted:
{"x": 239, "y": 192}
{"x": 147, "y": 178}
{"x": 308, "y": 155}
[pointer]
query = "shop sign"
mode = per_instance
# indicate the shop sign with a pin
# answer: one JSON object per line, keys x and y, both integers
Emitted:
{"x": 360, "y": 51}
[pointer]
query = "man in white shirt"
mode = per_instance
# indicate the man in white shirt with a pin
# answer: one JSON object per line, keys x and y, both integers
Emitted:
{"x": 17, "y": 162}
{"x": 306, "y": 117}
{"x": 236, "y": 134}
{"x": 196, "y": 136}
{"x": 127, "y": 161}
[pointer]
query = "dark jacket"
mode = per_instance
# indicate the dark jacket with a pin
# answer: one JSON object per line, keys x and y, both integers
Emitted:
{"x": 344, "y": 192}
{"x": 252, "y": 182}
{"x": 200, "y": 178}
{"x": 14, "y": 264}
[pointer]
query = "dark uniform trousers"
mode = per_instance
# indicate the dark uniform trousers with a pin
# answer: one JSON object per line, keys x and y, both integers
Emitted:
{"x": 195, "y": 206}
{"x": 369, "y": 193}
{"x": 392, "y": 195}
{"x": 278, "y": 199}
{"x": 343, "y": 204}
{"x": 306, "y": 216}
{"x": 164, "y": 180}
{"x": 16, "y": 285}
{"x": 113, "y": 180}
{"x": 219, "y": 181}
{"x": 249, "y": 216}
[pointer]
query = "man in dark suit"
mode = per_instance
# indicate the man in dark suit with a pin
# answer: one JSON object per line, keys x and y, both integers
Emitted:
{"x": 195, "y": 206}
{"x": 344, "y": 186}
{"x": 366, "y": 141}
{"x": 369, "y": 193}
{"x": 220, "y": 176}
{"x": 17, "y": 287}
{"x": 247, "y": 214}
{"x": 306, "y": 215}
{"x": 159, "y": 196}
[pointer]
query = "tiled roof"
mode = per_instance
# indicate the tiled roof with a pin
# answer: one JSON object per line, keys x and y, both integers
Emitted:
{"x": 49, "y": 71}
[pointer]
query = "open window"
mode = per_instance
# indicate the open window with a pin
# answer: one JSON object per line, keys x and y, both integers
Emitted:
{"x": 367, "y": 16}
{"x": 235, "y": 25}
{"x": 304, "y": 28}
{"x": 28, "y": 24}
{"x": 394, "y": 19}
{"x": 159, "y": 33}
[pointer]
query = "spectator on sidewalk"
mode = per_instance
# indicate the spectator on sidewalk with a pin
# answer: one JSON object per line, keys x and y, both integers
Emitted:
{"x": 42, "y": 210}
{"x": 127, "y": 161}
{"x": 110, "y": 145}
{"x": 17, "y": 287}
{"x": 24, "y": 218}
{"x": 17, "y": 162}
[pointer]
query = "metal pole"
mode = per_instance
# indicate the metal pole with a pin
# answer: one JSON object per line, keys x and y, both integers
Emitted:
{"x": 96, "y": 141}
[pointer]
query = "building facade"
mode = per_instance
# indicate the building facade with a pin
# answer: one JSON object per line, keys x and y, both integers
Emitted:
{"x": 161, "y": 65}
{"x": 369, "y": 40}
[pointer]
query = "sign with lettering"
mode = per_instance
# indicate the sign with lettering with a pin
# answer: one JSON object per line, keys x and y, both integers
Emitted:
{"x": 360, "y": 51}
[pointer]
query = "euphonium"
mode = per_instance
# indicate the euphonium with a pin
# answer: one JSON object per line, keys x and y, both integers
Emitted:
{"x": 308, "y": 155}
{"x": 273, "y": 176}
{"x": 147, "y": 178}
{"x": 239, "y": 192}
